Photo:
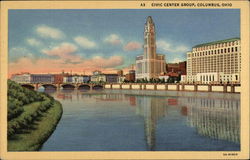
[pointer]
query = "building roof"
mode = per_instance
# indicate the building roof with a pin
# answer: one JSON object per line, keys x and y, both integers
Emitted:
{"x": 216, "y": 42}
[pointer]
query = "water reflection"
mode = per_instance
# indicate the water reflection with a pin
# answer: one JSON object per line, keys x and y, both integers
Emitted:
{"x": 216, "y": 118}
{"x": 151, "y": 109}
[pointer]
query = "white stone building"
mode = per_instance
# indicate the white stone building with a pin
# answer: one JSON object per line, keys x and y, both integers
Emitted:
{"x": 215, "y": 62}
{"x": 21, "y": 78}
{"x": 150, "y": 65}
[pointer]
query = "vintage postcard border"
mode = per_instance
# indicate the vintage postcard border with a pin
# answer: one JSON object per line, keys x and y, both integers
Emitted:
{"x": 244, "y": 153}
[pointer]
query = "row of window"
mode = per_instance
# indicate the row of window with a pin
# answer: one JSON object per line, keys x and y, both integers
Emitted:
{"x": 216, "y": 46}
{"x": 212, "y": 52}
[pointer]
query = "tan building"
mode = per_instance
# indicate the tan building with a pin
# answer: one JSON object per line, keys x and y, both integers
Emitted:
{"x": 150, "y": 65}
{"x": 215, "y": 62}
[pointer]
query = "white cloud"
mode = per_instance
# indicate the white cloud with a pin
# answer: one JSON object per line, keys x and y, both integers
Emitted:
{"x": 84, "y": 42}
{"x": 113, "y": 39}
{"x": 49, "y": 32}
{"x": 132, "y": 46}
{"x": 65, "y": 51}
{"x": 177, "y": 60}
{"x": 34, "y": 42}
{"x": 169, "y": 47}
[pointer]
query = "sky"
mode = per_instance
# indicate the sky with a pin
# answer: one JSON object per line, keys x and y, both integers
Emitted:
{"x": 49, "y": 41}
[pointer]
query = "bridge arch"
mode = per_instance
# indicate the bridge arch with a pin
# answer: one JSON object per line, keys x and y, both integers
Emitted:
{"x": 98, "y": 86}
{"x": 68, "y": 86}
{"x": 84, "y": 87}
{"x": 48, "y": 86}
{"x": 28, "y": 86}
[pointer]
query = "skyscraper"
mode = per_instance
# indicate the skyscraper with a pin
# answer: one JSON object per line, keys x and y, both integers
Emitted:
{"x": 150, "y": 65}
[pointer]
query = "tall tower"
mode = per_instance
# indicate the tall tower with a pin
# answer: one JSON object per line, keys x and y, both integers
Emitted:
{"x": 149, "y": 65}
{"x": 149, "y": 39}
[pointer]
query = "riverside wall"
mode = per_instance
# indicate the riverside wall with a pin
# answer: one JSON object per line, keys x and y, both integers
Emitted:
{"x": 225, "y": 88}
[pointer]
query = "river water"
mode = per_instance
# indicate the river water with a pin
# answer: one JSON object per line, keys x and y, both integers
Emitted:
{"x": 134, "y": 120}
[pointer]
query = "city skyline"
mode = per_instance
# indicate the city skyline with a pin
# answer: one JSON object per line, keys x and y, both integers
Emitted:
{"x": 86, "y": 40}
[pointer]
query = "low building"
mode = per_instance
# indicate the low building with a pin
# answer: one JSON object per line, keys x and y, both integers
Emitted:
{"x": 21, "y": 78}
{"x": 85, "y": 79}
{"x": 42, "y": 78}
{"x": 165, "y": 77}
{"x": 183, "y": 78}
{"x": 121, "y": 79}
{"x": 58, "y": 78}
{"x": 68, "y": 79}
{"x": 179, "y": 68}
{"x": 130, "y": 77}
{"x": 120, "y": 72}
{"x": 109, "y": 78}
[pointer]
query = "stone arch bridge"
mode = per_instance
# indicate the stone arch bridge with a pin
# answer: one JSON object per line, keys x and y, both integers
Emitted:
{"x": 78, "y": 86}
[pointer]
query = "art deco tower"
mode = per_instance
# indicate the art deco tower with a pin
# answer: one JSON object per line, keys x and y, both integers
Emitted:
{"x": 149, "y": 65}
{"x": 149, "y": 39}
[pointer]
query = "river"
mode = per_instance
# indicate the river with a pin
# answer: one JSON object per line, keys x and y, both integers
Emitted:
{"x": 136, "y": 120}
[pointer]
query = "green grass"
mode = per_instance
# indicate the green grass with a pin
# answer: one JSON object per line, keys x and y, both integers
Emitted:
{"x": 31, "y": 139}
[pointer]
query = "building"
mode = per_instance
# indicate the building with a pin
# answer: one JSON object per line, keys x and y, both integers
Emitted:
{"x": 111, "y": 78}
{"x": 21, "y": 78}
{"x": 179, "y": 68}
{"x": 42, "y": 78}
{"x": 130, "y": 77}
{"x": 58, "y": 78}
{"x": 85, "y": 79}
{"x": 215, "y": 62}
{"x": 120, "y": 72}
{"x": 100, "y": 77}
{"x": 68, "y": 79}
{"x": 169, "y": 77}
{"x": 121, "y": 79}
{"x": 150, "y": 65}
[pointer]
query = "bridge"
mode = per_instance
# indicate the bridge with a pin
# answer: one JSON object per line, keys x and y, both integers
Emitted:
{"x": 78, "y": 86}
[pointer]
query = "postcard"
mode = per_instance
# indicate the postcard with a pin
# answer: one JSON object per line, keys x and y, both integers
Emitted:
{"x": 124, "y": 80}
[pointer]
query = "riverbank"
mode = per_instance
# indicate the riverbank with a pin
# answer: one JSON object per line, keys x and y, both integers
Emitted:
{"x": 32, "y": 137}
{"x": 32, "y": 117}
{"x": 224, "y": 88}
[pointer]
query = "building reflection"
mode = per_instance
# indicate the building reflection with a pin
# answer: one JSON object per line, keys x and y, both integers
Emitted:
{"x": 151, "y": 109}
{"x": 215, "y": 118}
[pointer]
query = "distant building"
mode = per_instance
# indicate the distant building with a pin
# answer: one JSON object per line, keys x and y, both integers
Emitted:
{"x": 68, "y": 79}
{"x": 130, "y": 77}
{"x": 168, "y": 75}
{"x": 58, "y": 78}
{"x": 21, "y": 78}
{"x": 85, "y": 78}
{"x": 96, "y": 72}
{"x": 111, "y": 78}
{"x": 120, "y": 73}
{"x": 42, "y": 78}
{"x": 121, "y": 79}
{"x": 179, "y": 68}
{"x": 215, "y": 62}
{"x": 99, "y": 77}
{"x": 149, "y": 65}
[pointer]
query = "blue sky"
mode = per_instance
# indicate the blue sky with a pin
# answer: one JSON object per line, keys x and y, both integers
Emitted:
{"x": 97, "y": 38}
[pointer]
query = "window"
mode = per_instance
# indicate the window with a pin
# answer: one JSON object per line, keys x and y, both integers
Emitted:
{"x": 232, "y": 49}
{"x": 221, "y": 50}
{"x": 236, "y": 48}
{"x": 228, "y": 50}
{"x": 225, "y": 50}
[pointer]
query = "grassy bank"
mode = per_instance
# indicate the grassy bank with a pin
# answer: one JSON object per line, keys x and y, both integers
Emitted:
{"x": 31, "y": 138}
